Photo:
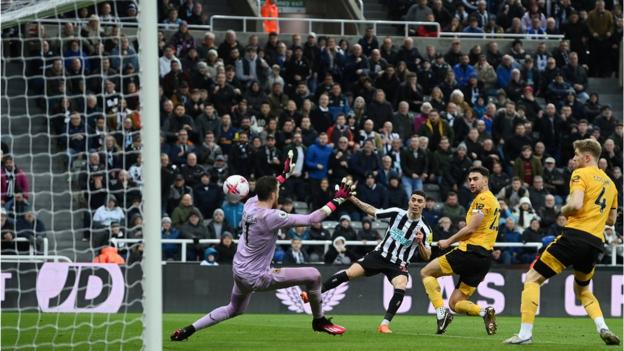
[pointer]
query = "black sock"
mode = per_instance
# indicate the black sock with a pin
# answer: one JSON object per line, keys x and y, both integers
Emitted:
{"x": 395, "y": 303}
{"x": 335, "y": 280}
{"x": 190, "y": 328}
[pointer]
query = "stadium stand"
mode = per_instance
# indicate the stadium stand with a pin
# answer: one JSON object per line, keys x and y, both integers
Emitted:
{"x": 393, "y": 114}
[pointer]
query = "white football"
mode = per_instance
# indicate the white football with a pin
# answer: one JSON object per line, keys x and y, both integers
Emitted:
{"x": 236, "y": 185}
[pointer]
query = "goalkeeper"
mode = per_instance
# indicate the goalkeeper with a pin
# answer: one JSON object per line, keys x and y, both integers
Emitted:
{"x": 251, "y": 266}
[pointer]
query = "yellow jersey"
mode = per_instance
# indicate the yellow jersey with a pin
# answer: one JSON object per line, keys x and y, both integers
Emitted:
{"x": 600, "y": 197}
{"x": 485, "y": 235}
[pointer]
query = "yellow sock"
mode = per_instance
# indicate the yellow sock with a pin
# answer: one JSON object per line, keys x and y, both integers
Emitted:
{"x": 433, "y": 291}
{"x": 468, "y": 307}
{"x": 529, "y": 302}
{"x": 590, "y": 303}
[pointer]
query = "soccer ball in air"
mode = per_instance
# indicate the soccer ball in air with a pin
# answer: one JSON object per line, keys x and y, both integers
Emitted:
{"x": 236, "y": 185}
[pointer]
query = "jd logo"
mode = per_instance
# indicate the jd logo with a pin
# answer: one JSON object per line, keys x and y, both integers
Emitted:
{"x": 80, "y": 287}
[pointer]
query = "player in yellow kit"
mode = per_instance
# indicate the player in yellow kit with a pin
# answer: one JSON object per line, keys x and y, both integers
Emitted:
{"x": 592, "y": 204}
{"x": 470, "y": 260}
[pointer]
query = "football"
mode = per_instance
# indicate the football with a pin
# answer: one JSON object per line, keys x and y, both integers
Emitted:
{"x": 236, "y": 185}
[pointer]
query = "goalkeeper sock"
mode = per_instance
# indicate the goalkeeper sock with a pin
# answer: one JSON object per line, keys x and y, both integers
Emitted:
{"x": 433, "y": 291}
{"x": 394, "y": 304}
{"x": 529, "y": 302}
{"x": 335, "y": 280}
{"x": 468, "y": 307}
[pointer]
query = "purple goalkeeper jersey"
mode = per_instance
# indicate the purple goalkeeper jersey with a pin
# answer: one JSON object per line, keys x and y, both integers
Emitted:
{"x": 259, "y": 234}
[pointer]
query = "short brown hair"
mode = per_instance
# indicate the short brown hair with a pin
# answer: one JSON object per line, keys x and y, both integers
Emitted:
{"x": 589, "y": 145}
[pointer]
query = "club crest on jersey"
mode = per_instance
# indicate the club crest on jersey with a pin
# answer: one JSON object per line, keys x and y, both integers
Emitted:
{"x": 399, "y": 236}
{"x": 291, "y": 298}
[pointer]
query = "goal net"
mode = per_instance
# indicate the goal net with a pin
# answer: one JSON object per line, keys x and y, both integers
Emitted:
{"x": 71, "y": 176}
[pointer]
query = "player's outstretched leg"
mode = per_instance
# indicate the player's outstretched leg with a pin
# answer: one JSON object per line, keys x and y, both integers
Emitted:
{"x": 460, "y": 304}
{"x": 311, "y": 279}
{"x": 400, "y": 284}
{"x": 528, "y": 308}
{"x": 238, "y": 303}
{"x": 429, "y": 275}
{"x": 592, "y": 307}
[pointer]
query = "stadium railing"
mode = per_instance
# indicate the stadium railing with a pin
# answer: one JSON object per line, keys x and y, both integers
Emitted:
{"x": 502, "y": 36}
{"x": 327, "y": 243}
{"x": 32, "y": 250}
{"x": 30, "y": 259}
{"x": 311, "y": 21}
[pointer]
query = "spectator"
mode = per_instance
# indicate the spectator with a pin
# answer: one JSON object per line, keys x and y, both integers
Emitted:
{"x": 532, "y": 234}
{"x": 527, "y": 166}
{"x": 549, "y": 212}
{"x": 380, "y": 110}
{"x": 252, "y": 68}
{"x": 344, "y": 229}
{"x": 32, "y": 228}
{"x": 169, "y": 251}
{"x": 226, "y": 248}
{"x": 453, "y": 209}
{"x": 194, "y": 229}
{"x": 12, "y": 177}
{"x": 509, "y": 234}
{"x": 316, "y": 232}
{"x": 372, "y": 193}
{"x": 365, "y": 161}
{"x": 108, "y": 213}
{"x": 557, "y": 228}
{"x": 435, "y": 128}
{"x": 339, "y": 254}
{"x": 182, "y": 212}
{"x": 524, "y": 213}
{"x": 217, "y": 226}
{"x": 396, "y": 195}
{"x": 538, "y": 192}
{"x": 166, "y": 60}
{"x": 317, "y": 158}
{"x": 503, "y": 71}
{"x": 233, "y": 211}
{"x": 208, "y": 195}
{"x": 513, "y": 193}
{"x": 295, "y": 254}
{"x": 613, "y": 245}
{"x": 109, "y": 254}
{"x": 414, "y": 166}
{"x": 270, "y": 9}
{"x": 601, "y": 27}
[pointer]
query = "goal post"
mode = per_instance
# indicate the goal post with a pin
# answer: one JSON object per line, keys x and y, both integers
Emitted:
{"x": 57, "y": 57}
{"x": 152, "y": 269}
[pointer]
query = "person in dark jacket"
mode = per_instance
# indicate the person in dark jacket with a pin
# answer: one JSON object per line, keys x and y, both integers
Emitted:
{"x": 169, "y": 251}
{"x": 372, "y": 193}
{"x": 226, "y": 248}
{"x": 194, "y": 229}
{"x": 365, "y": 161}
{"x": 414, "y": 165}
{"x": 380, "y": 110}
{"x": 208, "y": 195}
{"x": 316, "y": 232}
{"x": 344, "y": 229}
{"x": 366, "y": 234}
{"x": 295, "y": 254}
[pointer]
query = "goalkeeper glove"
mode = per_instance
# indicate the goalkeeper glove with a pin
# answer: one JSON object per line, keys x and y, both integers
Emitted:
{"x": 345, "y": 190}
{"x": 289, "y": 168}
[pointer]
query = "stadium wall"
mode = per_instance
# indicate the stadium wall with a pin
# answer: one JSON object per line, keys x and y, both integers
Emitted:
{"x": 191, "y": 288}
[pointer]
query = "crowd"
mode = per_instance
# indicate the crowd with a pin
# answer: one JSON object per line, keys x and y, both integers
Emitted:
{"x": 392, "y": 118}
{"x": 591, "y": 26}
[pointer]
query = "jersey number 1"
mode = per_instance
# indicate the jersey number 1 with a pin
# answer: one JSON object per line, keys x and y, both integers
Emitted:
{"x": 600, "y": 201}
{"x": 245, "y": 231}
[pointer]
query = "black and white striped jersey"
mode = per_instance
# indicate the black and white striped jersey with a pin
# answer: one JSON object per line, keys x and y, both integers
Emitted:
{"x": 399, "y": 243}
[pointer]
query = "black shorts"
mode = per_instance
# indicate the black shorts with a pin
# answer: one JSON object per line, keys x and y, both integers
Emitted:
{"x": 373, "y": 263}
{"x": 572, "y": 248}
{"x": 471, "y": 266}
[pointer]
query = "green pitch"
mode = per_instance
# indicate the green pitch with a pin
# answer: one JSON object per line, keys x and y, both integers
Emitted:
{"x": 293, "y": 332}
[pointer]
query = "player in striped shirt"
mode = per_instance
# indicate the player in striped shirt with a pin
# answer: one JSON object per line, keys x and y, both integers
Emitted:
{"x": 407, "y": 233}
